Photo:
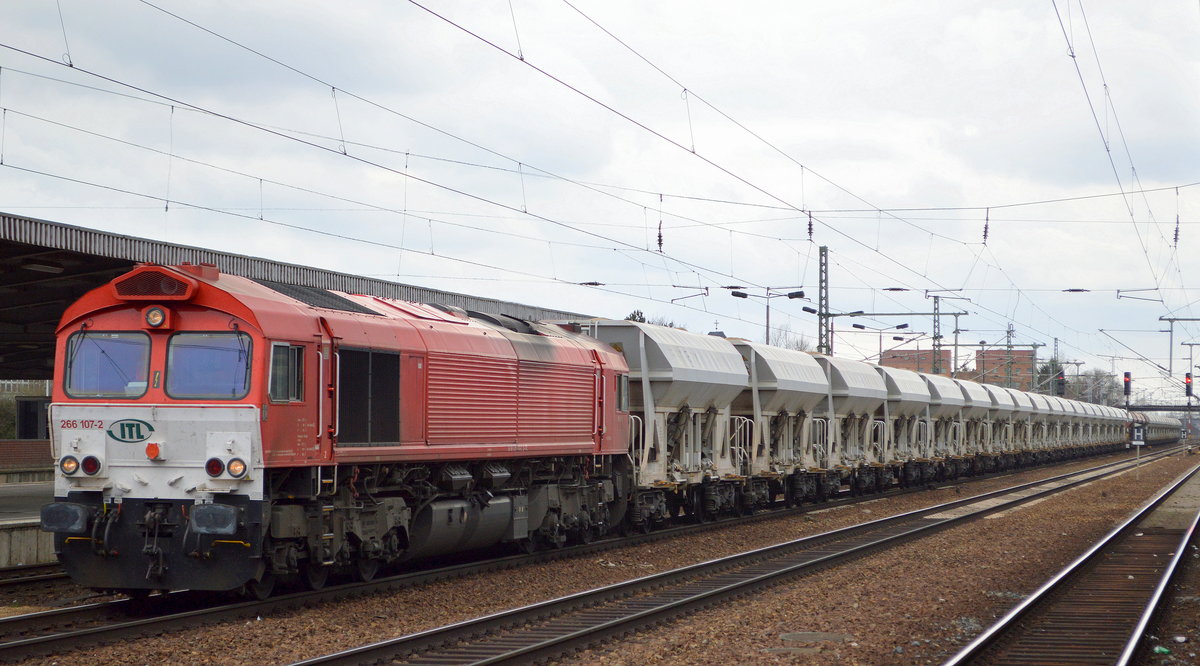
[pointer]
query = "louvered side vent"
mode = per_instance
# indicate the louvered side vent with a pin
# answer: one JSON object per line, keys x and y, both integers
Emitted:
{"x": 153, "y": 285}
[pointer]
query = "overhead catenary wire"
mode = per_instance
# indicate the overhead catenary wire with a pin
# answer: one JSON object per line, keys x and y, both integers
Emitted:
{"x": 348, "y": 156}
{"x": 1107, "y": 150}
{"x": 532, "y": 171}
{"x": 364, "y": 161}
{"x": 666, "y": 213}
{"x": 661, "y": 136}
{"x": 347, "y": 237}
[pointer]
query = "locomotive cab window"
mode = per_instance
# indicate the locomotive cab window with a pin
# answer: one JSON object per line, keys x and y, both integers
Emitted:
{"x": 287, "y": 373}
{"x": 208, "y": 366}
{"x": 107, "y": 365}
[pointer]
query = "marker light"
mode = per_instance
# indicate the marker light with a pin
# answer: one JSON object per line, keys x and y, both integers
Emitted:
{"x": 155, "y": 317}
{"x": 236, "y": 468}
{"x": 153, "y": 451}
{"x": 214, "y": 467}
{"x": 90, "y": 465}
{"x": 68, "y": 465}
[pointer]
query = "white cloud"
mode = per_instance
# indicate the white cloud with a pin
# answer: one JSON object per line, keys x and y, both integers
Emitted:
{"x": 902, "y": 104}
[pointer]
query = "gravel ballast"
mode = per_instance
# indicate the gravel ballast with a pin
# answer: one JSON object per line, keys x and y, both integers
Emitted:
{"x": 917, "y": 604}
{"x": 914, "y": 604}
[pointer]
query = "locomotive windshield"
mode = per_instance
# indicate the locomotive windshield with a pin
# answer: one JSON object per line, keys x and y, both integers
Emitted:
{"x": 107, "y": 365}
{"x": 208, "y": 366}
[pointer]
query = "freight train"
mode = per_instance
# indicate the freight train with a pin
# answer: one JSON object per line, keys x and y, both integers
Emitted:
{"x": 214, "y": 432}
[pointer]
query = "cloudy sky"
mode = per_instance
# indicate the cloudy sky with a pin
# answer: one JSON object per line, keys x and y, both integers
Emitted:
{"x": 518, "y": 149}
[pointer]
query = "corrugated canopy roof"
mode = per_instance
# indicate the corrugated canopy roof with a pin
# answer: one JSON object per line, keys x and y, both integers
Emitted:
{"x": 45, "y": 266}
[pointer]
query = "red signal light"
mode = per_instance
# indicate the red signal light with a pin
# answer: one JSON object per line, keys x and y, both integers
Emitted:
{"x": 214, "y": 467}
{"x": 90, "y": 465}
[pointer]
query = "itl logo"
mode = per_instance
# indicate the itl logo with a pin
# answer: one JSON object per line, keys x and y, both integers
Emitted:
{"x": 130, "y": 431}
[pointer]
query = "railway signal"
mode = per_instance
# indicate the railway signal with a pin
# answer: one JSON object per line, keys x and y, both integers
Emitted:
{"x": 1060, "y": 384}
{"x": 1187, "y": 384}
{"x": 1128, "y": 382}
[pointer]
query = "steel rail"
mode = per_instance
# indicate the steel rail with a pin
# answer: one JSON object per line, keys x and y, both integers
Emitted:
{"x": 688, "y": 594}
{"x": 1152, "y": 605}
{"x": 15, "y": 631}
{"x": 1053, "y": 589}
{"x": 32, "y": 573}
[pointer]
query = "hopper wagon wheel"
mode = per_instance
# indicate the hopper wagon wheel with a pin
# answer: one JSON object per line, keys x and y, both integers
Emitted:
{"x": 262, "y": 588}
{"x": 314, "y": 575}
{"x": 365, "y": 568}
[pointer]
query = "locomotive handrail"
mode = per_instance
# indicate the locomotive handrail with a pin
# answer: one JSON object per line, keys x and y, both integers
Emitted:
{"x": 636, "y": 442}
{"x": 337, "y": 404}
{"x": 321, "y": 426}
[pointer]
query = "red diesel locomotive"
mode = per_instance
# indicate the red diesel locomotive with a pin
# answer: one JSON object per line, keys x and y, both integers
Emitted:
{"x": 213, "y": 431}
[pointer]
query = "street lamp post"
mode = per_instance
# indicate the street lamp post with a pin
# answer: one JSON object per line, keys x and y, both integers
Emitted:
{"x": 767, "y": 297}
{"x": 880, "y": 330}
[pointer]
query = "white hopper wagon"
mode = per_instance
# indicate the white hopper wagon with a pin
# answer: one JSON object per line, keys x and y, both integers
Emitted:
{"x": 785, "y": 388}
{"x": 1022, "y": 420}
{"x": 945, "y": 412}
{"x": 907, "y": 442}
{"x": 976, "y": 406}
{"x": 681, "y": 388}
{"x": 1001, "y": 435}
{"x": 856, "y": 391}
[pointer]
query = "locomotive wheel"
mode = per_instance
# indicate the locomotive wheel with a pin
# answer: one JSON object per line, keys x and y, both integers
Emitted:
{"x": 261, "y": 589}
{"x": 365, "y": 568}
{"x": 527, "y": 546}
{"x": 315, "y": 576}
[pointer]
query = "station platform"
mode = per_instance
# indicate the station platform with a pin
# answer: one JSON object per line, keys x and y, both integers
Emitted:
{"x": 22, "y": 542}
{"x": 1178, "y": 511}
{"x": 25, "y": 460}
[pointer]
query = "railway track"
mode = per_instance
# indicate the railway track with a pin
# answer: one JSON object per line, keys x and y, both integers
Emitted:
{"x": 81, "y": 626}
{"x": 1097, "y": 608}
{"x": 35, "y": 573}
{"x": 558, "y": 627}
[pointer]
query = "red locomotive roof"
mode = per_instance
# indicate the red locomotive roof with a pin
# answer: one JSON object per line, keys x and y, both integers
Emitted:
{"x": 356, "y": 320}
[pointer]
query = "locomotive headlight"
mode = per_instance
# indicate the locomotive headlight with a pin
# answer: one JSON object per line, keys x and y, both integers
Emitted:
{"x": 236, "y": 468}
{"x": 68, "y": 465}
{"x": 155, "y": 317}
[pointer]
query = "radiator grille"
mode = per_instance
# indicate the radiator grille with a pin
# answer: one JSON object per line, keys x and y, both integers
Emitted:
{"x": 157, "y": 285}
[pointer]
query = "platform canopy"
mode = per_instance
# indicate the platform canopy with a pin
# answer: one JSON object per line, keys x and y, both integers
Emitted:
{"x": 44, "y": 266}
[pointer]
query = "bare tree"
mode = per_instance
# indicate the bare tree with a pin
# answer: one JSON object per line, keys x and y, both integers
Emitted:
{"x": 783, "y": 336}
{"x": 657, "y": 320}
